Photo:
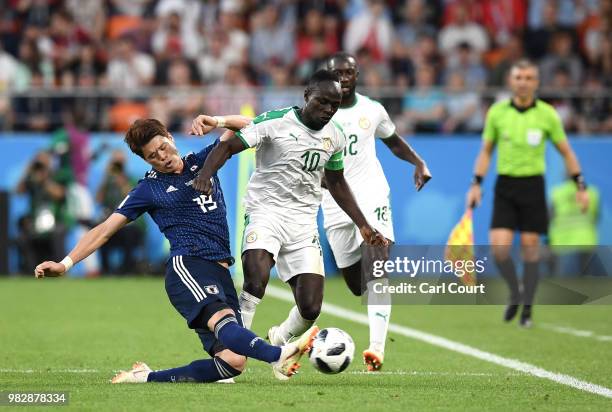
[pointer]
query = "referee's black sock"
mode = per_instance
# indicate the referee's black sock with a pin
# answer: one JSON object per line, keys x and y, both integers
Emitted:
{"x": 531, "y": 275}
{"x": 508, "y": 271}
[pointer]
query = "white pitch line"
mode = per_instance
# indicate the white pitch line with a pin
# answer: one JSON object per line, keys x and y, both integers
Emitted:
{"x": 348, "y": 314}
{"x": 429, "y": 373}
{"x": 49, "y": 371}
{"x": 576, "y": 332}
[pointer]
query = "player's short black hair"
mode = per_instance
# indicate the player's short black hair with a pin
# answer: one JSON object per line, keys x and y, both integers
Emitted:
{"x": 322, "y": 76}
{"x": 524, "y": 64}
{"x": 344, "y": 56}
{"x": 142, "y": 131}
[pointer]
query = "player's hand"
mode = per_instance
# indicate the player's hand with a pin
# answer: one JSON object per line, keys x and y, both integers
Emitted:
{"x": 202, "y": 125}
{"x": 373, "y": 237}
{"x": 49, "y": 269}
{"x": 203, "y": 184}
{"x": 473, "y": 197}
{"x": 582, "y": 197}
{"x": 422, "y": 175}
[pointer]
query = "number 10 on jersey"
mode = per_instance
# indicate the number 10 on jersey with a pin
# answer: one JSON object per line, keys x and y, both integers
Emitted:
{"x": 311, "y": 161}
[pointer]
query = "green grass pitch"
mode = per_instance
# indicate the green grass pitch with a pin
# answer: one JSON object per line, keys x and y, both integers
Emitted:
{"x": 72, "y": 335}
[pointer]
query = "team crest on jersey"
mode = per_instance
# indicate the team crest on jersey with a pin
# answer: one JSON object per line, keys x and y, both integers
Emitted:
{"x": 364, "y": 123}
{"x": 251, "y": 237}
{"x": 194, "y": 168}
{"x": 327, "y": 143}
{"x": 211, "y": 289}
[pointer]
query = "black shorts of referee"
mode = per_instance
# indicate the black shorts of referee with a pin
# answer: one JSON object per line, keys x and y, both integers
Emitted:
{"x": 520, "y": 204}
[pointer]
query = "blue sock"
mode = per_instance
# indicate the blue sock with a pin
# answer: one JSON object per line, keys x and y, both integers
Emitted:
{"x": 204, "y": 370}
{"x": 244, "y": 342}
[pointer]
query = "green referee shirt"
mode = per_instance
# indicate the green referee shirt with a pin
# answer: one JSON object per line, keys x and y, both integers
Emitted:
{"x": 520, "y": 135}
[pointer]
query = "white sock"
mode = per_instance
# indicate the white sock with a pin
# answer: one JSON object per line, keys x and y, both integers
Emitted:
{"x": 294, "y": 325}
{"x": 379, "y": 312}
{"x": 248, "y": 305}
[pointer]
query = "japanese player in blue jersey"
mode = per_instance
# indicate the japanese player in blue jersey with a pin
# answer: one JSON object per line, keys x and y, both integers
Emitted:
{"x": 198, "y": 281}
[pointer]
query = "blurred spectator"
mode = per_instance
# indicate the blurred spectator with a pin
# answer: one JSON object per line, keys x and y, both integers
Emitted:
{"x": 561, "y": 55}
{"x": 426, "y": 52}
{"x": 129, "y": 69}
{"x": 462, "y": 106}
{"x": 218, "y": 56}
{"x": 42, "y": 231}
{"x": 504, "y": 17}
{"x": 178, "y": 107}
{"x": 278, "y": 94}
{"x": 538, "y": 36}
{"x": 180, "y": 26}
{"x": 273, "y": 37}
{"x": 89, "y": 15}
{"x": 37, "y": 112}
{"x": 567, "y": 13}
{"x": 231, "y": 22}
{"x": 233, "y": 94}
{"x": 316, "y": 60}
{"x": 9, "y": 67}
{"x": 595, "y": 107}
{"x": 560, "y": 99}
{"x": 463, "y": 30}
{"x": 371, "y": 30}
{"x": 414, "y": 22}
{"x": 401, "y": 65}
{"x": 8, "y": 70}
{"x": 313, "y": 31}
{"x": 128, "y": 241}
{"x": 424, "y": 105}
{"x": 467, "y": 63}
{"x": 511, "y": 52}
{"x": 30, "y": 59}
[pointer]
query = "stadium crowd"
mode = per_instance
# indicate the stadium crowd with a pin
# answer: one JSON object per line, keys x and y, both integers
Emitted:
{"x": 436, "y": 65}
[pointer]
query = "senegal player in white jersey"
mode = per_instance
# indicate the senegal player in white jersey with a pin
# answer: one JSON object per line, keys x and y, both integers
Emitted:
{"x": 296, "y": 147}
{"x": 362, "y": 120}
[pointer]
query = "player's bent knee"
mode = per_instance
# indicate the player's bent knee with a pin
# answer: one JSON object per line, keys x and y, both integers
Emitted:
{"x": 237, "y": 362}
{"x": 256, "y": 287}
{"x": 310, "y": 311}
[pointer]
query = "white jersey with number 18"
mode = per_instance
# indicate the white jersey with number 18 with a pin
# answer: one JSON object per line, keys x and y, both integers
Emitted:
{"x": 361, "y": 123}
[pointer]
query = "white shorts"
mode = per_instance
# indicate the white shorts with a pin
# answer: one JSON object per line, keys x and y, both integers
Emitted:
{"x": 295, "y": 247}
{"x": 345, "y": 240}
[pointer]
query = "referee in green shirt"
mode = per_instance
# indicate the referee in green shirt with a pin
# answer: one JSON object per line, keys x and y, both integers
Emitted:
{"x": 519, "y": 127}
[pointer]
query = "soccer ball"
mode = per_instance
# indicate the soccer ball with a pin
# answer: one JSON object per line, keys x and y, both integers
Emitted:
{"x": 332, "y": 350}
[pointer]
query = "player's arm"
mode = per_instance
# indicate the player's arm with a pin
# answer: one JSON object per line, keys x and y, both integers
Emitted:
{"x": 204, "y": 123}
{"x": 229, "y": 145}
{"x": 341, "y": 192}
{"x": 88, "y": 244}
{"x": 402, "y": 150}
{"x": 574, "y": 170}
{"x": 481, "y": 166}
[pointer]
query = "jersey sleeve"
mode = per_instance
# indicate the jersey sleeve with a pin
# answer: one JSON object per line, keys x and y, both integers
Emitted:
{"x": 489, "y": 133}
{"x": 253, "y": 134}
{"x": 336, "y": 161}
{"x": 137, "y": 202}
{"x": 556, "y": 132}
{"x": 385, "y": 128}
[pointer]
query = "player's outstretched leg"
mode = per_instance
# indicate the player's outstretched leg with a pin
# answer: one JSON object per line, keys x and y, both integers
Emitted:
{"x": 379, "y": 310}
{"x": 256, "y": 264}
{"x": 308, "y": 294}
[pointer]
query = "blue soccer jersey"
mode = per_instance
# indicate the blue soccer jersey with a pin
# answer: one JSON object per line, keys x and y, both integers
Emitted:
{"x": 194, "y": 223}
